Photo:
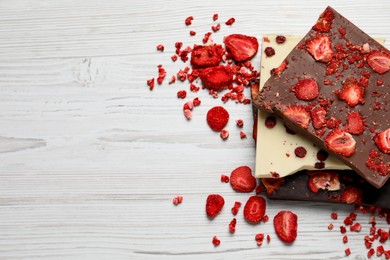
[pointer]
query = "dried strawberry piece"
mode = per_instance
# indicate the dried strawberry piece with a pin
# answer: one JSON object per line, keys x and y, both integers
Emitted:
{"x": 345, "y": 239}
{"x": 177, "y": 200}
{"x": 318, "y": 117}
{"x": 206, "y": 55}
{"x": 272, "y": 184}
{"x": 357, "y": 227}
{"x": 379, "y": 61}
{"x": 216, "y": 28}
{"x": 232, "y": 225}
{"x": 160, "y": 47}
{"x": 270, "y": 122}
{"x": 325, "y": 180}
{"x": 240, "y": 122}
{"x": 217, "y": 118}
{"x": 355, "y": 123}
{"x": 324, "y": 22}
{"x": 300, "y": 152}
{"x": 242, "y": 135}
{"x": 216, "y": 78}
{"x": 298, "y": 114}
{"x": 254, "y": 209}
{"x": 341, "y": 142}
{"x": 269, "y": 51}
{"x": 352, "y": 92}
{"x": 188, "y": 20}
{"x": 236, "y": 207}
{"x": 370, "y": 252}
{"x": 286, "y": 226}
{"x": 224, "y": 178}
{"x": 241, "y": 47}
{"x": 306, "y": 89}
{"x": 150, "y": 83}
{"x": 334, "y": 215}
{"x": 259, "y": 239}
{"x": 280, "y": 39}
{"x": 224, "y": 134}
{"x": 192, "y": 33}
{"x": 215, "y": 17}
{"x": 214, "y": 205}
{"x": 230, "y": 21}
{"x": 320, "y": 48}
{"x": 382, "y": 141}
{"x": 216, "y": 241}
{"x": 347, "y": 251}
{"x": 206, "y": 37}
{"x": 279, "y": 70}
{"x": 182, "y": 94}
{"x": 352, "y": 195}
{"x": 333, "y": 122}
{"x": 242, "y": 179}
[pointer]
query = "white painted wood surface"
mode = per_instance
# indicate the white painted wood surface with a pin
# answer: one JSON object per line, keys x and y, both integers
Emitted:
{"x": 91, "y": 159}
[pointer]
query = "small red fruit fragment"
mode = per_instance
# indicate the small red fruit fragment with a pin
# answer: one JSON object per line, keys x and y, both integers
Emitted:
{"x": 242, "y": 179}
{"x": 216, "y": 28}
{"x": 224, "y": 178}
{"x": 324, "y": 22}
{"x": 355, "y": 123}
{"x": 298, "y": 114}
{"x": 259, "y": 239}
{"x": 240, "y": 122}
{"x": 217, "y": 118}
{"x": 150, "y": 83}
{"x": 224, "y": 134}
{"x": 306, "y": 89}
{"x": 177, "y": 200}
{"x": 214, "y": 205}
{"x": 370, "y": 252}
{"x": 254, "y": 209}
{"x": 320, "y": 48}
{"x": 286, "y": 226}
{"x": 269, "y": 51}
{"x": 300, "y": 152}
{"x": 382, "y": 140}
{"x": 188, "y": 20}
{"x": 182, "y": 94}
{"x": 242, "y": 135}
{"x": 216, "y": 241}
{"x": 334, "y": 215}
{"x": 325, "y": 180}
{"x": 351, "y": 195}
{"x": 352, "y": 92}
{"x": 357, "y": 227}
{"x": 230, "y": 21}
{"x": 270, "y": 122}
{"x": 379, "y": 61}
{"x": 236, "y": 207}
{"x": 330, "y": 226}
{"x": 341, "y": 142}
{"x": 206, "y": 55}
{"x": 279, "y": 70}
{"x": 241, "y": 47}
{"x": 160, "y": 47}
{"x": 345, "y": 239}
{"x": 343, "y": 230}
{"x": 318, "y": 117}
{"x": 216, "y": 78}
{"x": 272, "y": 184}
{"x": 192, "y": 33}
{"x": 215, "y": 17}
{"x": 280, "y": 39}
{"x": 347, "y": 251}
{"x": 232, "y": 225}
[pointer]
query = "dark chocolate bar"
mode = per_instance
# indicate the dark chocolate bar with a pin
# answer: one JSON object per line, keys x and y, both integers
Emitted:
{"x": 334, "y": 88}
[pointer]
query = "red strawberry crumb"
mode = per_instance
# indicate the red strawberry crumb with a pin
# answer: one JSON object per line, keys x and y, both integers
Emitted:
{"x": 380, "y": 250}
{"x": 215, "y": 17}
{"x": 177, "y": 200}
{"x": 161, "y": 74}
{"x": 379, "y": 82}
{"x": 351, "y": 195}
{"x": 224, "y": 178}
{"x": 345, "y": 239}
{"x": 280, "y": 39}
{"x": 181, "y": 75}
{"x": 240, "y": 122}
{"x": 270, "y": 122}
{"x": 355, "y": 123}
{"x": 347, "y": 251}
{"x": 217, "y": 118}
{"x": 334, "y": 215}
{"x": 194, "y": 88}
{"x": 242, "y": 179}
{"x": 370, "y": 252}
{"x": 196, "y": 101}
{"x": 341, "y": 142}
{"x": 160, "y": 47}
{"x": 265, "y": 218}
{"x": 320, "y": 48}
{"x": 259, "y": 239}
{"x": 216, "y": 241}
{"x": 269, "y": 51}
{"x": 333, "y": 123}
{"x": 214, "y": 205}
{"x": 230, "y": 21}
{"x": 206, "y": 37}
{"x": 272, "y": 184}
{"x": 279, "y": 70}
{"x": 268, "y": 238}
{"x": 306, "y": 89}
{"x": 241, "y": 47}
{"x": 330, "y": 226}
{"x": 254, "y": 209}
{"x": 382, "y": 141}
{"x": 192, "y": 33}
{"x": 300, "y": 152}
{"x": 242, "y": 135}
{"x": 286, "y": 226}
{"x": 357, "y": 227}
{"x": 187, "y": 113}
{"x": 298, "y": 115}
{"x": 182, "y": 94}
{"x": 172, "y": 80}
{"x": 224, "y": 134}
{"x": 379, "y": 61}
{"x": 319, "y": 165}
{"x": 343, "y": 230}
{"x": 259, "y": 189}
{"x": 232, "y": 225}
{"x": 216, "y": 78}
{"x": 216, "y": 28}
{"x": 236, "y": 207}
{"x": 352, "y": 92}
{"x": 188, "y": 20}
{"x": 324, "y": 22}
{"x": 150, "y": 83}
{"x": 174, "y": 57}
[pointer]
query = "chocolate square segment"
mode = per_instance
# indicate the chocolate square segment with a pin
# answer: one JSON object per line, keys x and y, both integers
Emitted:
{"x": 334, "y": 88}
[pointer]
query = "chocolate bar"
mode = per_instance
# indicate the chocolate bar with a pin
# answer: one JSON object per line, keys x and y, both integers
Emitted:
{"x": 334, "y": 88}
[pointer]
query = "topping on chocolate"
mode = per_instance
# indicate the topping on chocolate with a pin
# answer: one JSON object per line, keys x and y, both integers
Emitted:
{"x": 324, "y": 22}
{"x": 306, "y": 89}
{"x": 379, "y": 61}
{"x": 298, "y": 114}
{"x": 341, "y": 142}
{"x": 324, "y": 180}
{"x": 318, "y": 117}
{"x": 355, "y": 123}
{"x": 352, "y": 92}
{"x": 382, "y": 140}
{"x": 320, "y": 48}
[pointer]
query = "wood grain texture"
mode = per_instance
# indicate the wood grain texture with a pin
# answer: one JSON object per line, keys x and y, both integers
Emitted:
{"x": 91, "y": 159}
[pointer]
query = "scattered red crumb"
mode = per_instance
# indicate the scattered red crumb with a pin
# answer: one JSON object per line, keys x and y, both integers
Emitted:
{"x": 343, "y": 230}
{"x": 236, "y": 207}
{"x": 177, "y": 200}
{"x": 334, "y": 215}
{"x": 370, "y": 252}
{"x": 266, "y": 39}
{"x": 215, "y": 17}
{"x": 206, "y": 37}
{"x": 196, "y": 102}
{"x": 330, "y": 226}
{"x": 280, "y": 39}
{"x": 174, "y": 57}
{"x": 269, "y": 51}
{"x": 182, "y": 94}
{"x": 232, "y": 225}
{"x": 240, "y": 122}
{"x": 230, "y": 21}
{"x": 172, "y": 80}
{"x": 259, "y": 239}
{"x": 224, "y": 134}
{"x": 357, "y": 227}
{"x": 270, "y": 122}
{"x": 259, "y": 189}
{"x": 216, "y": 241}
{"x": 160, "y": 47}
{"x": 347, "y": 251}
{"x": 265, "y": 218}
{"x": 192, "y": 33}
{"x": 216, "y": 28}
{"x": 268, "y": 238}
{"x": 242, "y": 135}
{"x": 188, "y": 20}
{"x": 345, "y": 239}
{"x": 150, "y": 83}
{"x": 300, "y": 152}
{"x": 322, "y": 155}
{"x": 224, "y": 178}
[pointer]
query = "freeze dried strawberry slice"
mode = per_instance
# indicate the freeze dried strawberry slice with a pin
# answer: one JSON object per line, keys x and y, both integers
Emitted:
{"x": 355, "y": 123}
{"x": 352, "y": 92}
{"x": 241, "y": 47}
{"x": 216, "y": 78}
{"x": 325, "y": 180}
{"x": 320, "y": 48}
{"x": 318, "y": 117}
{"x": 341, "y": 142}
{"x": 298, "y": 114}
{"x": 324, "y": 22}
{"x": 206, "y": 55}
{"x": 242, "y": 179}
{"x": 382, "y": 140}
{"x": 214, "y": 205}
{"x": 254, "y": 209}
{"x": 306, "y": 89}
{"x": 379, "y": 61}
{"x": 286, "y": 225}
{"x": 217, "y": 118}
{"x": 351, "y": 195}
{"x": 272, "y": 184}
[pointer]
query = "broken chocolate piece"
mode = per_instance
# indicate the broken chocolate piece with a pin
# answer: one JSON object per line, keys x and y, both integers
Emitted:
{"x": 346, "y": 64}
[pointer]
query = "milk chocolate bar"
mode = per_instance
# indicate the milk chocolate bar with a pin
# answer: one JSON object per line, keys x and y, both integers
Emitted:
{"x": 333, "y": 88}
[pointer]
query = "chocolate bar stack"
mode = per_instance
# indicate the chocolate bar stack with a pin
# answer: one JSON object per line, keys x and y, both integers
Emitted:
{"x": 323, "y": 124}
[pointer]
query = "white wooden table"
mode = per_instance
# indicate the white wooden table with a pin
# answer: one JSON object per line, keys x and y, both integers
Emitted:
{"x": 90, "y": 159}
